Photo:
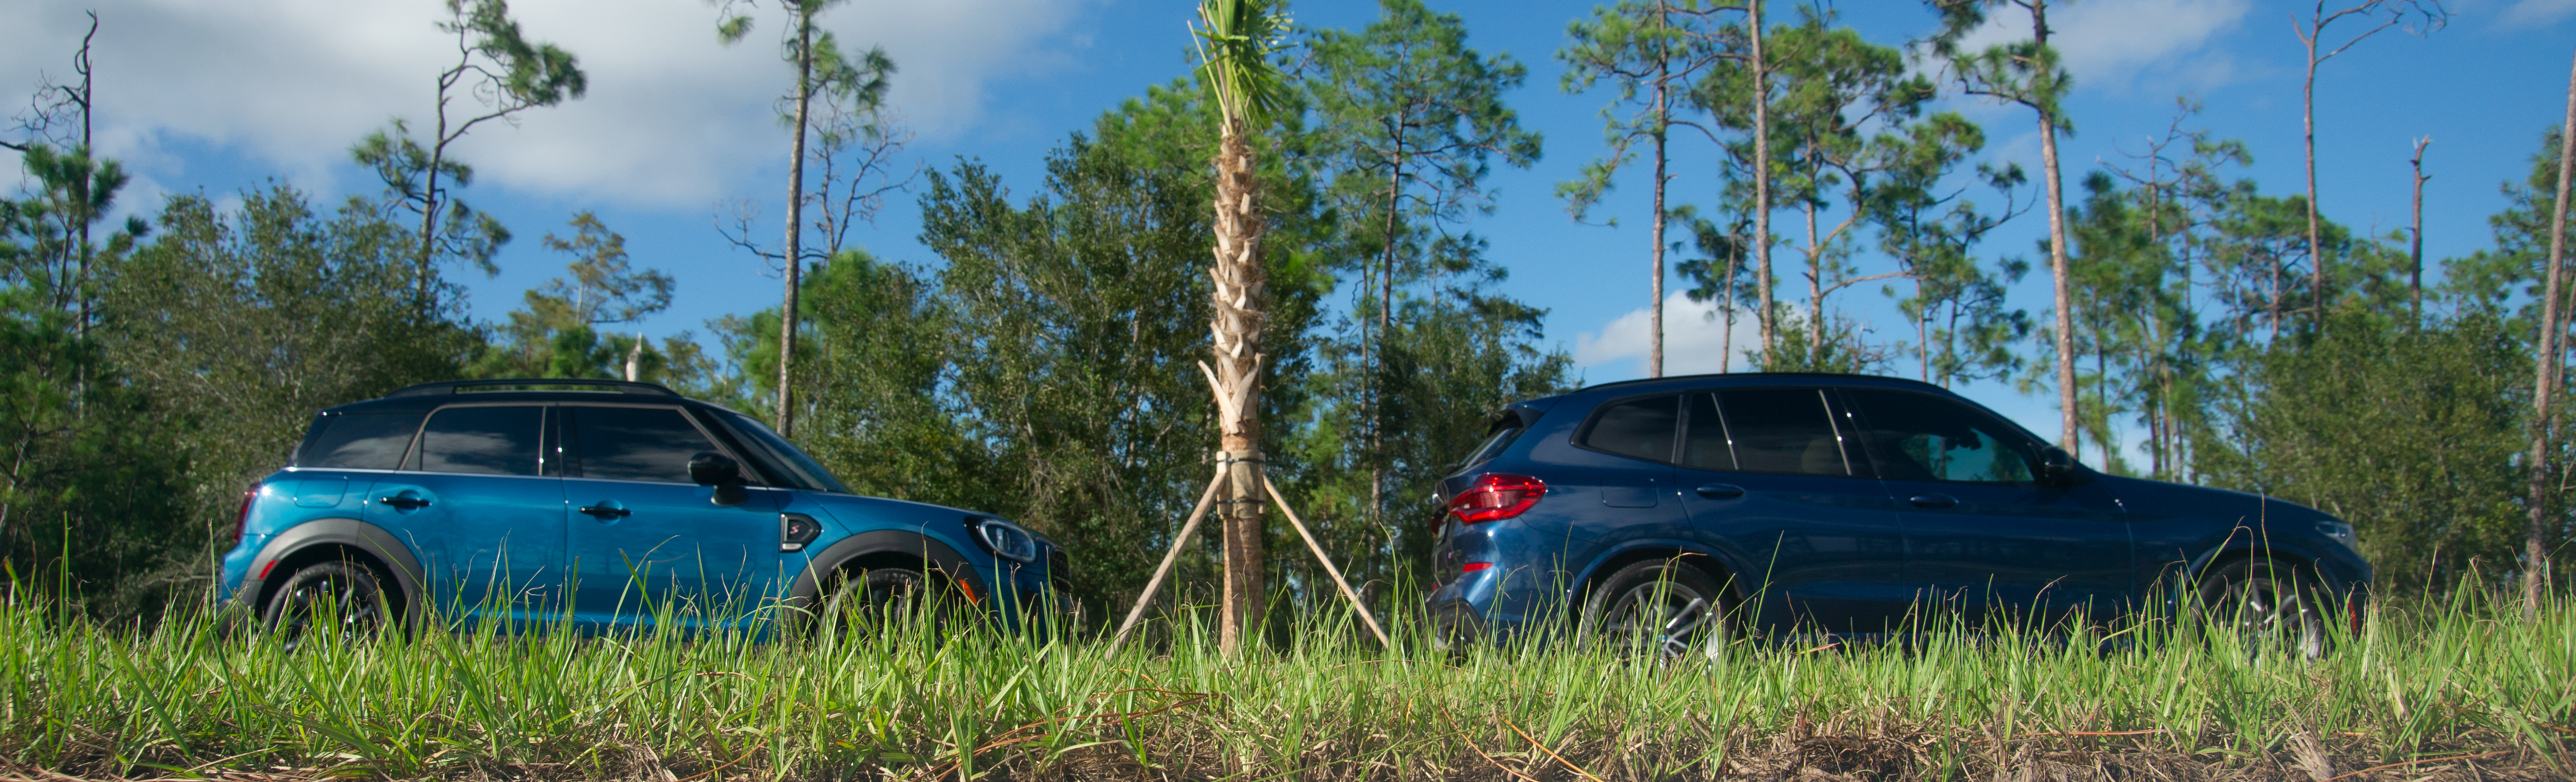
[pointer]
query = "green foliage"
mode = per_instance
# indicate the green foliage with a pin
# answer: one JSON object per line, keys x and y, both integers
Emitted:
{"x": 555, "y": 333}
{"x": 1077, "y": 322}
{"x": 96, "y": 497}
{"x": 1444, "y": 371}
{"x": 2410, "y": 434}
{"x": 217, "y": 319}
{"x": 404, "y": 166}
{"x": 1235, "y": 39}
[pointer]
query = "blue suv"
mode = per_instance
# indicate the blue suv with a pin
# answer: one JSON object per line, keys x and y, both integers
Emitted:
{"x": 1677, "y": 512}
{"x": 610, "y": 503}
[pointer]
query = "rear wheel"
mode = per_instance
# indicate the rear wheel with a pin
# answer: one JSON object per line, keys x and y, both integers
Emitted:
{"x": 1660, "y": 608}
{"x": 2267, "y": 606}
{"x": 339, "y": 597}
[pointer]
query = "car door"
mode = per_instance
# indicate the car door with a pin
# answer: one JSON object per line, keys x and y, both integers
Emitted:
{"x": 645, "y": 538}
{"x": 1982, "y": 534}
{"x": 1769, "y": 472}
{"x": 479, "y": 496}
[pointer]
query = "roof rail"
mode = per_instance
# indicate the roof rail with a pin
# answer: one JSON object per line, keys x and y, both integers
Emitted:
{"x": 508, "y": 383}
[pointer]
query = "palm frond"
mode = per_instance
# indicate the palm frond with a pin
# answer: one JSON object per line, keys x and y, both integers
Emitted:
{"x": 1235, "y": 39}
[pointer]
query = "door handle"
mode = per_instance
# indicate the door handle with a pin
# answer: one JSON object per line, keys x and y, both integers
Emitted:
{"x": 1720, "y": 491}
{"x": 1932, "y": 500}
{"x": 605, "y": 512}
{"x": 404, "y": 502}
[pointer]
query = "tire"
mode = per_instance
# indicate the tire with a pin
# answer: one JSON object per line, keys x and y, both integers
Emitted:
{"x": 1455, "y": 630}
{"x": 867, "y": 602}
{"x": 1660, "y": 608}
{"x": 2266, "y": 605}
{"x": 339, "y": 596}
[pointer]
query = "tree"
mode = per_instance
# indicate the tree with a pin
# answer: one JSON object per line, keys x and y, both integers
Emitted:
{"x": 2430, "y": 16}
{"x": 1833, "y": 86}
{"x": 2535, "y": 551}
{"x": 2177, "y": 195}
{"x": 1640, "y": 46}
{"x": 555, "y": 333}
{"x": 1931, "y": 232}
{"x": 214, "y": 324}
{"x": 1235, "y": 45}
{"x": 821, "y": 70}
{"x": 2027, "y": 73}
{"x": 79, "y": 206}
{"x": 497, "y": 64}
{"x": 1409, "y": 119}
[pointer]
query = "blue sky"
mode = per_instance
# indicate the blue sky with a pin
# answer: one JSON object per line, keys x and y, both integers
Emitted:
{"x": 219, "y": 95}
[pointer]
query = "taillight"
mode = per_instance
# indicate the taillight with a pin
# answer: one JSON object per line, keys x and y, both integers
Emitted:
{"x": 241, "y": 522}
{"x": 1496, "y": 496}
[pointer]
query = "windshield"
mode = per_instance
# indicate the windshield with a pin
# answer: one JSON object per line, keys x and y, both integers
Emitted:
{"x": 801, "y": 469}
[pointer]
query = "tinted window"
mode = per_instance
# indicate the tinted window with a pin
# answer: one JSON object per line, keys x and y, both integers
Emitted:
{"x": 791, "y": 466}
{"x": 358, "y": 442}
{"x": 1782, "y": 430}
{"x": 1705, "y": 445}
{"x": 636, "y": 443}
{"x": 1919, "y": 437}
{"x": 1642, "y": 428}
{"x": 491, "y": 440}
{"x": 1493, "y": 445}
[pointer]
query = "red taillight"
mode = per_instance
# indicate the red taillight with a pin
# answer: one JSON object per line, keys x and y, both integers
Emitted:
{"x": 1475, "y": 566}
{"x": 241, "y": 522}
{"x": 1496, "y": 496}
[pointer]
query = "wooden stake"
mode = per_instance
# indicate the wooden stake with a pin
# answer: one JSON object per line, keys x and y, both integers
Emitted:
{"x": 1165, "y": 569}
{"x": 1335, "y": 572}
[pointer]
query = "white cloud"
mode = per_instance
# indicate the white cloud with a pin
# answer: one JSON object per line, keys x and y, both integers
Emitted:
{"x": 2114, "y": 45}
{"x": 672, "y": 117}
{"x": 2530, "y": 12}
{"x": 1694, "y": 339}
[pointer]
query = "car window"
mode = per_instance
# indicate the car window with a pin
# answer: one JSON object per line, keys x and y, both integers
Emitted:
{"x": 1493, "y": 444}
{"x": 1642, "y": 428}
{"x": 361, "y": 441}
{"x": 495, "y": 440}
{"x": 1705, "y": 445}
{"x": 636, "y": 443}
{"x": 1782, "y": 430}
{"x": 791, "y": 466}
{"x": 1920, "y": 437}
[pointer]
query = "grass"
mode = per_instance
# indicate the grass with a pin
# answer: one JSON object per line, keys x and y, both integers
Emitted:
{"x": 2467, "y": 677}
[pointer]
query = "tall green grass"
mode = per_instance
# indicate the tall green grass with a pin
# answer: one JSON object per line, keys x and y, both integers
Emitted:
{"x": 2463, "y": 677}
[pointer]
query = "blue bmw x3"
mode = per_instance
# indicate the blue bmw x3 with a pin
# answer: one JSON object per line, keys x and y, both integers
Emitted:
{"x": 608, "y": 503}
{"x": 1677, "y": 512}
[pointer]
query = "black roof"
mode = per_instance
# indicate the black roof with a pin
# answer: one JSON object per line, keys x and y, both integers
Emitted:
{"x": 532, "y": 384}
{"x": 1812, "y": 377}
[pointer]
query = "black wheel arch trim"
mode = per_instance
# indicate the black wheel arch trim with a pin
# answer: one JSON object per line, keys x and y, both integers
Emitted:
{"x": 934, "y": 555}
{"x": 409, "y": 579}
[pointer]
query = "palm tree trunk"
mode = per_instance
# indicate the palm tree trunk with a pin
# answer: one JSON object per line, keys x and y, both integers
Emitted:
{"x": 1237, "y": 323}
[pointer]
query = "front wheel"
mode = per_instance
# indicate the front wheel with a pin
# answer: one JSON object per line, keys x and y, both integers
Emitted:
{"x": 339, "y": 597}
{"x": 870, "y": 601}
{"x": 2266, "y": 605}
{"x": 1661, "y": 608}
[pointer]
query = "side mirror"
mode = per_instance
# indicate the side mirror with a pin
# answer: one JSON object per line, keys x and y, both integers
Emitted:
{"x": 2056, "y": 466}
{"x": 721, "y": 472}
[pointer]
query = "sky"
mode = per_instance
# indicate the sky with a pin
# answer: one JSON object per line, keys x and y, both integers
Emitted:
{"x": 678, "y": 131}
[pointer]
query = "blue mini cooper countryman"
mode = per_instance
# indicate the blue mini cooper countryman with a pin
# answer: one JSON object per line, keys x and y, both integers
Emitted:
{"x": 1676, "y": 512}
{"x": 605, "y": 503}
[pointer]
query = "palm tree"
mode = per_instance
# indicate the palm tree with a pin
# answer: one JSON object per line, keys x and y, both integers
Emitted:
{"x": 1234, "y": 46}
